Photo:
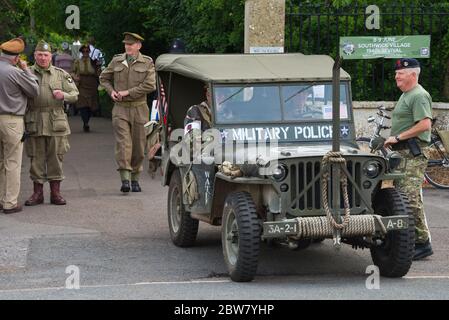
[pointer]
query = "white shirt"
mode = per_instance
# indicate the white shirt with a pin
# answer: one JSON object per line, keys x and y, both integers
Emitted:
{"x": 95, "y": 53}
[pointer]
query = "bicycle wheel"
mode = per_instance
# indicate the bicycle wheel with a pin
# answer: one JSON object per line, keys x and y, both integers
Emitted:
{"x": 437, "y": 171}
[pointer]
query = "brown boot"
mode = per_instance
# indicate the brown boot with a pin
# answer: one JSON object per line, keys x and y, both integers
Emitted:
{"x": 38, "y": 195}
{"x": 55, "y": 197}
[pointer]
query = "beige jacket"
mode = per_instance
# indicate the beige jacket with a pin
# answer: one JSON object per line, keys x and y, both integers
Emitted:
{"x": 45, "y": 115}
{"x": 138, "y": 78}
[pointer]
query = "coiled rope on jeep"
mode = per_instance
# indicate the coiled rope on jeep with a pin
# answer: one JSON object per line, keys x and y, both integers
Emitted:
{"x": 319, "y": 227}
{"x": 335, "y": 158}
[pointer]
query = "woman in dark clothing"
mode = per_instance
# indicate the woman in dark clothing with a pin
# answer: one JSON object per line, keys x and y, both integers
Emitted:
{"x": 86, "y": 72}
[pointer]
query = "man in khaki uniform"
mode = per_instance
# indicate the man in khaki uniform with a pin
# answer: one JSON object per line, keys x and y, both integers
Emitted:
{"x": 128, "y": 79}
{"x": 17, "y": 84}
{"x": 47, "y": 125}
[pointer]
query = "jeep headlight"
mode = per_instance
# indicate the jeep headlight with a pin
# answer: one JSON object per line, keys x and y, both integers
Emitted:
{"x": 372, "y": 169}
{"x": 279, "y": 172}
{"x": 394, "y": 160}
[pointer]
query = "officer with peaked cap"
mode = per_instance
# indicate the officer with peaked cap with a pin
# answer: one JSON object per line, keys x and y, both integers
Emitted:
{"x": 47, "y": 125}
{"x": 17, "y": 84}
{"x": 128, "y": 79}
{"x": 411, "y": 124}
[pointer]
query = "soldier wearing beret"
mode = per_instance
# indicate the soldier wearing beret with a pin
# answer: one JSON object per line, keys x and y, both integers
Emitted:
{"x": 47, "y": 126}
{"x": 17, "y": 84}
{"x": 128, "y": 79}
{"x": 410, "y": 135}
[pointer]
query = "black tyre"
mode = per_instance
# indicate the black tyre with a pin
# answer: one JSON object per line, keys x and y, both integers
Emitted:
{"x": 394, "y": 255}
{"x": 183, "y": 229}
{"x": 240, "y": 236}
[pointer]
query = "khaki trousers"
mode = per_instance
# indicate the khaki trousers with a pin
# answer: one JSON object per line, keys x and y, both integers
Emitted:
{"x": 130, "y": 140}
{"x": 46, "y": 154}
{"x": 11, "y": 147}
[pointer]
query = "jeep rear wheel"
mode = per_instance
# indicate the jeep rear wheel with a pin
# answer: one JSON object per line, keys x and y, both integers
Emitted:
{"x": 394, "y": 255}
{"x": 240, "y": 236}
{"x": 183, "y": 229}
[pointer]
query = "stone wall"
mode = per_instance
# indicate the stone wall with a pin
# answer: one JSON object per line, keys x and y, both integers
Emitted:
{"x": 364, "y": 109}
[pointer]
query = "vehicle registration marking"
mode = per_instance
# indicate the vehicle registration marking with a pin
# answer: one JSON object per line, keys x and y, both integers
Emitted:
{"x": 396, "y": 223}
{"x": 275, "y": 229}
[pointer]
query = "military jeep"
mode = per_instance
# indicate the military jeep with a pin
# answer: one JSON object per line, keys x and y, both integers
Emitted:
{"x": 273, "y": 174}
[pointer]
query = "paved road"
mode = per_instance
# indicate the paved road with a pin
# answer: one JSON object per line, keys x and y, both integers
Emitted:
{"x": 122, "y": 248}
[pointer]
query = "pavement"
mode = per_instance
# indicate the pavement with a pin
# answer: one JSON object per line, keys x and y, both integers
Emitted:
{"x": 121, "y": 246}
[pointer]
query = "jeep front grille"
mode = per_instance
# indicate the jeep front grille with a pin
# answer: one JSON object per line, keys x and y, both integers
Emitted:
{"x": 302, "y": 173}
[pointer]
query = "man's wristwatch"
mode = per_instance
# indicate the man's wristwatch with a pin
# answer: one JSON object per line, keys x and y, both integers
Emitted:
{"x": 397, "y": 138}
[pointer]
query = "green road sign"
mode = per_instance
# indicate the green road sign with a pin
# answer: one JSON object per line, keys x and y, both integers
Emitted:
{"x": 391, "y": 47}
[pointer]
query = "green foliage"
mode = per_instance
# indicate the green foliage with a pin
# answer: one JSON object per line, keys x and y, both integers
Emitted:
{"x": 217, "y": 26}
{"x": 315, "y": 28}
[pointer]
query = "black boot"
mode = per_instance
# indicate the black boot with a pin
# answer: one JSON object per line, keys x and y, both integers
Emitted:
{"x": 135, "y": 186}
{"x": 85, "y": 116}
{"x": 125, "y": 186}
{"x": 422, "y": 250}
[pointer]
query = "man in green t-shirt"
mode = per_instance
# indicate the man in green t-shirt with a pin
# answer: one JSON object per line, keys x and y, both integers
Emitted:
{"x": 412, "y": 119}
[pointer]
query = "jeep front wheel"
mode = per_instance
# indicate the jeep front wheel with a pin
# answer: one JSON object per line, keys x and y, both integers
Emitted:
{"x": 240, "y": 236}
{"x": 183, "y": 229}
{"x": 394, "y": 255}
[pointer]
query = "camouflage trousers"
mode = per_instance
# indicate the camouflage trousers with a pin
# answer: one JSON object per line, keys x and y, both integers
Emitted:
{"x": 411, "y": 185}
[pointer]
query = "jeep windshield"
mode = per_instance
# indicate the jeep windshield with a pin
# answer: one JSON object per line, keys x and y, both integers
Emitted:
{"x": 301, "y": 102}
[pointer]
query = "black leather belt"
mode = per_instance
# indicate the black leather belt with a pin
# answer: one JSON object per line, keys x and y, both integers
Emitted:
{"x": 403, "y": 145}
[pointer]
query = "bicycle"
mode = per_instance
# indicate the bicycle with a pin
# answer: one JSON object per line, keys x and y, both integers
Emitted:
{"x": 437, "y": 171}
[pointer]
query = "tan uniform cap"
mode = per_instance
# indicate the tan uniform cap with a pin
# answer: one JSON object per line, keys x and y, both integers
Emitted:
{"x": 43, "y": 46}
{"x": 13, "y": 47}
{"x": 131, "y": 38}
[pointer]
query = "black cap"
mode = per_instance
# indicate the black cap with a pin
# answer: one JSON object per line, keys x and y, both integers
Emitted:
{"x": 406, "y": 63}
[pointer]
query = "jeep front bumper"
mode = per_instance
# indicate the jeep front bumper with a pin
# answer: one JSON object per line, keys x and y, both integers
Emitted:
{"x": 319, "y": 227}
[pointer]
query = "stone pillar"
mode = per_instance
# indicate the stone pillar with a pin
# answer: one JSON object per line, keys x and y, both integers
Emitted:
{"x": 264, "y": 26}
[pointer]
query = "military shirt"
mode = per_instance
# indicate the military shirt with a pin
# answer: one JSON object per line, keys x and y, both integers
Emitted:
{"x": 45, "y": 115}
{"x": 138, "y": 77}
{"x": 412, "y": 107}
{"x": 16, "y": 86}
